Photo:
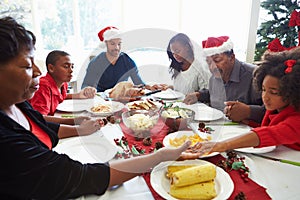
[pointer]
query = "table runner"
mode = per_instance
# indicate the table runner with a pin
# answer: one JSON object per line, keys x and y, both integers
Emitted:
{"x": 158, "y": 132}
{"x": 251, "y": 189}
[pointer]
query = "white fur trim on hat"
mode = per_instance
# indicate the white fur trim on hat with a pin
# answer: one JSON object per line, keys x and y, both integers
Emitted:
{"x": 111, "y": 34}
{"x": 226, "y": 46}
{"x": 107, "y": 34}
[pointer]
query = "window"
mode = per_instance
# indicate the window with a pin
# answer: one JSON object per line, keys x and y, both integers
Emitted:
{"x": 72, "y": 25}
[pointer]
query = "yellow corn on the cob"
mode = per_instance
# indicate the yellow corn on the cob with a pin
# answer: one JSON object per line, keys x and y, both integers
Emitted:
{"x": 192, "y": 175}
{"x": 174, "y": 168}
{"x": 204, "y": 190}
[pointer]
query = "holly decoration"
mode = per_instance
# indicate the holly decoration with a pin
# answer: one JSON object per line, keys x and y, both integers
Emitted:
{"x": 127, "y": 151}
{"x": 203, "y": 128}
{"x": 134, "y": 150}
{"x": 123, "y": 143}
{"x": 233, "y": 162}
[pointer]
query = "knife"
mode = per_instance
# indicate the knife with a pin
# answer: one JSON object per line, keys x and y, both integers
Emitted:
{"x": 278, "y": 159}
{"x": 152, "y": 92}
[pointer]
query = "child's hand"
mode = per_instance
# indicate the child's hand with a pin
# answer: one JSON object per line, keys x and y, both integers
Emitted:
{"x": 87, "y": 93}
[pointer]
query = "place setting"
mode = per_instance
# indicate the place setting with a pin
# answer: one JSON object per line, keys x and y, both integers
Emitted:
{"x": 93, "y": 148}
{"x": 233, "y": 131}
{"x": 168, "y": 95}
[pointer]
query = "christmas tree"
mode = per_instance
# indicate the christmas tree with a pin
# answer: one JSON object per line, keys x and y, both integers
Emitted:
{"x": 277, "y": 26}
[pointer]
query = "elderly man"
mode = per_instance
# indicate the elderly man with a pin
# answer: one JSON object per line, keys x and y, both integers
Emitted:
{"x": 110, "y": 67}
{"x": 230, "y": 86}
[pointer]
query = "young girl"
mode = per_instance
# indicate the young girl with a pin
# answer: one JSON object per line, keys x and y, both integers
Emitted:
{"x": 278, "y": 77}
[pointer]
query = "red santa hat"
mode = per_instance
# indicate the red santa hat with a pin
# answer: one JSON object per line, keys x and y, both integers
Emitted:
{"x": 216, "y": 45}
{"x": 109, "y": 33}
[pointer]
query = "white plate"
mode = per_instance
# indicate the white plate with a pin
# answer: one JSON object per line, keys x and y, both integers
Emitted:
{"x": 179, "y": 134}
{"x": 232, "y": 131}
{"x": 107, "y": 91}
{"x": 204, "y": 112}
{"x": 74, "y": 105}
{"x": 257, "y": 150}
{"x": 160, "y": 183}
{"x": 115, "y": 106}
{"x": 168, "y": 95}
{"x": 157, "y": 104}
{"x": 87, "y": 149}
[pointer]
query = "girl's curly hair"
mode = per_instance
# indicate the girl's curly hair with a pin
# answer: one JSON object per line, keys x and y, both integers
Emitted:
{"x": 273, "y": 64}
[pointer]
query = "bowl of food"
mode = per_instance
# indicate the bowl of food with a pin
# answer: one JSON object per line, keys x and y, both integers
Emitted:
{"x": 177, "y": 118}
{"x": 140, "y": 122}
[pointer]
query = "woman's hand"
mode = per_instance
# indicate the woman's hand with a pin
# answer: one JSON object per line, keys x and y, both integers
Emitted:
{"x": 166, "y": 154}
{"x": 191, "y": 98}
{"x": 90, "y": 126}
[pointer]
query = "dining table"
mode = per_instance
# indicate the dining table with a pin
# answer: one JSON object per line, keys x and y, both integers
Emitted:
{"x": 269, "y": 179}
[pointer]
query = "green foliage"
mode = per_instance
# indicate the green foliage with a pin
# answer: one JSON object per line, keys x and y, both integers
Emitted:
{"x": 95, "y": 15}
{"x": 57, "y": 28}
{"x": 279, "y": 13}
{"x": 18, "y": 9}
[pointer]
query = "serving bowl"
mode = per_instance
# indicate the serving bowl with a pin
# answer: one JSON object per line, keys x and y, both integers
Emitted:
{"x": 177, "y": 118}
{"x": 140, "y": 122}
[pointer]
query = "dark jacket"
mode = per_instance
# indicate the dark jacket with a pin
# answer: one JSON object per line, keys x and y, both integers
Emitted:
{"x": 29, "y": 170}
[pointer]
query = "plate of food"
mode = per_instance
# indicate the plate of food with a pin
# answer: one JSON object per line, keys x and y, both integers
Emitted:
{"x": 124, "y": 92}
{"x": 146, "y": 104}
{"x": 106, "y": 108}
{"x": 74, "y": 105}
{"x": 168, "y": 94}
{"x": 191, "y": 179}
{"x": 177, "y": 139}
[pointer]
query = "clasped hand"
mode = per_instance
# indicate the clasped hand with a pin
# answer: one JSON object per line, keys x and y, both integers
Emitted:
{"x": 236, "y": 111}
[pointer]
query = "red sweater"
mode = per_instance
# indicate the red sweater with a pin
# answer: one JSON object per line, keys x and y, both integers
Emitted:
{"x": 48, "y": 96}
{"x": 280, "y": 129}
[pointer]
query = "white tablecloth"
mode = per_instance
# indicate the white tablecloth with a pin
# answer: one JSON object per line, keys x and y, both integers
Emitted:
{"x": 280, "y": 179}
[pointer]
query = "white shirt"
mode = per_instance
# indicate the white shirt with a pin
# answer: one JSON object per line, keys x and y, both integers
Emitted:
{"x": 193, "y": 79}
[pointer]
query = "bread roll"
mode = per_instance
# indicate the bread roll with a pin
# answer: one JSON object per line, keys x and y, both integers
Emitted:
{"x": 192, "y": 175}
{"x": 204, "y": 190}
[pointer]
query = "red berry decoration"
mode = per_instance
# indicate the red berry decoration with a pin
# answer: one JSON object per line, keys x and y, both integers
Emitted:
{"x": 233, "y": 162}
{"x": 147, "y": 141}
